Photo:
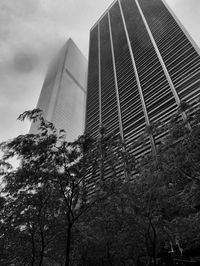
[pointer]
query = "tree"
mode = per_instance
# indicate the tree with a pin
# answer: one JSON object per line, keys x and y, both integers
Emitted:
{"x": 50, "y": 217}
{"x": 48, "y": 188}
{"x": 49, "y": 191}
{"x": 169, "y": 183}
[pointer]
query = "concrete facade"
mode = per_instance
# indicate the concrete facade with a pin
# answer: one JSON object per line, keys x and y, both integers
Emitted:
{"x": 63, "y": 95}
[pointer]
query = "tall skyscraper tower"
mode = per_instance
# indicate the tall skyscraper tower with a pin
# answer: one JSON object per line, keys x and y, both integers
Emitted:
{"x": 63, "y": 95}
{"x": 142, "y": 64}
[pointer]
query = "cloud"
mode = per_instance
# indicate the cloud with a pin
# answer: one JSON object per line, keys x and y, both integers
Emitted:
{"x": 188, "y": 12}
{"x": 24, "y": 61}
{"x": 28, "y": 33}
{"x": 32, "y": 32}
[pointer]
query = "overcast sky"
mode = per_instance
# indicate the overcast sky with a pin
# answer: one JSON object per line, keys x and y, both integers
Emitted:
{"x": 31, "y": 33}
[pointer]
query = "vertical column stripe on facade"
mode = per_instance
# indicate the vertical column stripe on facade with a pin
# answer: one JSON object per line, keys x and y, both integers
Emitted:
{"x": 131, "y": 109}
{"x": 116, "y": 82}
{"x": 92, "y": 116}
{"x": 177, "y": 99}
{"x": 109, "y": 103}
{"x": 93, "y": 100}
{"x": 159, "y": 55}
{"x": 136, "y": 74}
{"x": 180, "y": 57}
{"x": 158, "y": 97}
{"x": 99, "y": 61}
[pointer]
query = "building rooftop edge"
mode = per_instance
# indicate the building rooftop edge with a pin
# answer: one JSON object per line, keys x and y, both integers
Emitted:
{"x": 104, "y": 13}
{"x": 72, "y": 41}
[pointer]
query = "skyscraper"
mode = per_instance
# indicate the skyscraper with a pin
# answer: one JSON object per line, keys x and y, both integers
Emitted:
{"x": 63, "y": 95}
{"x": 142, "y": 64}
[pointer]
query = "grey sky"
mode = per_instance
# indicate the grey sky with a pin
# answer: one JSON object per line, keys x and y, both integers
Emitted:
{"x": 32, "y": 31}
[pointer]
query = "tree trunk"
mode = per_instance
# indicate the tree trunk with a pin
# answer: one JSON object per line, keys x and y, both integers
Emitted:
{"x": 84, "y": 257}
{"x": 108, "y": 255}
{"x": 67, "y": 252}
{"x": 42, "y": 245}
{"x": 33, "y": 249}
{"x": 84, "y": 260}
{"x": 154, "y": 243}
{"x": 41, "y": 256}
{"x": 42, "y": 251}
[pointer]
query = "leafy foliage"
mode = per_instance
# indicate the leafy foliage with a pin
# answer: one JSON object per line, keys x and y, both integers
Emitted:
{"x": 50, "y": 217}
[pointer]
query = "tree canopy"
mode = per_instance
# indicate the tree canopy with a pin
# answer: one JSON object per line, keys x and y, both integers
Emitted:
{"x": 69, "y": 203}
